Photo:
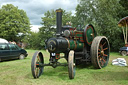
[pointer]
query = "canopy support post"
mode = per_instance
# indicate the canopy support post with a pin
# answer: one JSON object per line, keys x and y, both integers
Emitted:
{"x": 124, "y": 35}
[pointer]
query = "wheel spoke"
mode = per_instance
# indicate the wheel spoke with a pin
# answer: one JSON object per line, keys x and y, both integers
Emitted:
{"x": 105, "y": 49}
{"x": 103, "y": 60}
{"x": 104, "y": 43}
{"x": 37, "y": 71}
{"x": 99, "y": 56}
{"x": 101, "y": 63}
{"x": 105, "y": 55}
{"x": 38, "y": 58}
{"x": 101, "y": 46}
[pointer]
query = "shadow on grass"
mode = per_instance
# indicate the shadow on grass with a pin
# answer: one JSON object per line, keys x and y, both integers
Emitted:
{"x": 50, "y": 72}
{"x": 82, "y": 66}
{"x": 93, "y": 75}
{"x": 110, "y": 76}
{"x": 9, "y": 60}
{"x": 62, "y": 72}
{"x": 56, "y": 71}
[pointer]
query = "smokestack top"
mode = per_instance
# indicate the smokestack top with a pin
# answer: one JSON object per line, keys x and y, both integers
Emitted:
{"x": 59, "y": 10}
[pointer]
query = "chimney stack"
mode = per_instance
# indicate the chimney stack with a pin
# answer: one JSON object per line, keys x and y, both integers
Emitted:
{"x": 58, "y": 21}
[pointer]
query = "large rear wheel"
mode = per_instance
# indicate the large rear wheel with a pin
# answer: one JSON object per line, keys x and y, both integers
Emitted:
{"x": 36, "y": 69}
{"x": 100, "y": 52}
{"x": 71, "y": 65}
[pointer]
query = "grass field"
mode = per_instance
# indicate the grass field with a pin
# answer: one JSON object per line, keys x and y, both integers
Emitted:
{"x": 18, "y": 72}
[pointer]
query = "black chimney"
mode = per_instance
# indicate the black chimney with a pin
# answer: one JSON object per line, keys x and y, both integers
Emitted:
{"x": 58, "y": 21}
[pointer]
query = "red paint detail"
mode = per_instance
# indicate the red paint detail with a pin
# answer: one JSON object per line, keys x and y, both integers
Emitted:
{"x": 71, "y": 29}
{"x": 70, "y": 32}
{"x": 79, "y": 37}
{"x": 57, "y": 56}
{"x": 79, "y": 33}
{"x": 82, "y": 40}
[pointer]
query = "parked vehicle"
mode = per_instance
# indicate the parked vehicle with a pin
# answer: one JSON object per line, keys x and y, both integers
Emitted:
{"x": 11, "y": 51}
{"x": 3, "y": 40}
{"x": 123, "y": 51}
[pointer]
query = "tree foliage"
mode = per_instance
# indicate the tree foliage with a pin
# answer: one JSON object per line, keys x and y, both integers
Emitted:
{"x": 124, "y": 12}
{"x": 34, "y": 41}
{"x": 104, "y": 15}
{"x": 14, "y": 23}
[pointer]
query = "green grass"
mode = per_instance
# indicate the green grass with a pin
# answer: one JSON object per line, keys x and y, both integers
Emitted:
{"x": 18, "y": 72}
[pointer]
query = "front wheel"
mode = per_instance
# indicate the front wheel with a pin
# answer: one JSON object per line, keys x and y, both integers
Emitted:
{"x": 100, "y": 52}
{"x": 123, "y": 53}
{"x": 71, "y": 65}
{"x": 21, "y": 56}
{"x": 36, "y": 69}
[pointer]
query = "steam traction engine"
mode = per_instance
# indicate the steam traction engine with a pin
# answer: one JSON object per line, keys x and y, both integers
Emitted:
{"x": 77, "y": 45}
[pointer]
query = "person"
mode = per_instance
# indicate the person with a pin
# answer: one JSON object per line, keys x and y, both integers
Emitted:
{"x": 13, "y": 42}
{"x": 10, "y": 42}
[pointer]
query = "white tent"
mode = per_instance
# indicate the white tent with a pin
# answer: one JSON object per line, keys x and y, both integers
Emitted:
{"x": 3, "y": 40}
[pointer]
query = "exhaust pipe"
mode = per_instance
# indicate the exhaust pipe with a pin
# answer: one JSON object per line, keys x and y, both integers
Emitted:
{"x": 58, "y": 21}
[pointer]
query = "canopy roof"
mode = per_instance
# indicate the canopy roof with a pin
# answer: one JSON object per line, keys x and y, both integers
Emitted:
{"x": 123, "y": 22}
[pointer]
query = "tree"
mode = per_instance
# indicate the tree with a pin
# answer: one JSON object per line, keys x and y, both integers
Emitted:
{"x": 34, "y": 41}
{"x": 124, "y": 11}
{"x": 13, "y": 21}
{"x": 103, "y": 14}
{"x": 48, "y": 28}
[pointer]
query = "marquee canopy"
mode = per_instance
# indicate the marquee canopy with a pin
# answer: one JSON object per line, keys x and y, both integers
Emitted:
{"x": 123, "y": 22}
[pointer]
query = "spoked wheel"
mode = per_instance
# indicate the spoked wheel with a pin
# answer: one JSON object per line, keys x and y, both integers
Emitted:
{"x": 35, "y": 68}
{"x": 71, "y": 65}
{"x": 100, "y": 52}
{"x": 123, "y": 53}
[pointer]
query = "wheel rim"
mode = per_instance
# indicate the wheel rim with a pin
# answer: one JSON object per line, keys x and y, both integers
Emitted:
{"x": 124, "y": 53}
{"x": 21, "y": 56}
{"x": 103, "y": 53}
{"x": 71, "y": 65}
{"x": 36, "y": 69}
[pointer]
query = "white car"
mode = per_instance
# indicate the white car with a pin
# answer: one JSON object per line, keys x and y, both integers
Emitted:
{"x": 3, "y": 40}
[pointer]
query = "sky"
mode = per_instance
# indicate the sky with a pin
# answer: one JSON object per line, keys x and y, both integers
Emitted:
{"x": 35, "y": 9}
